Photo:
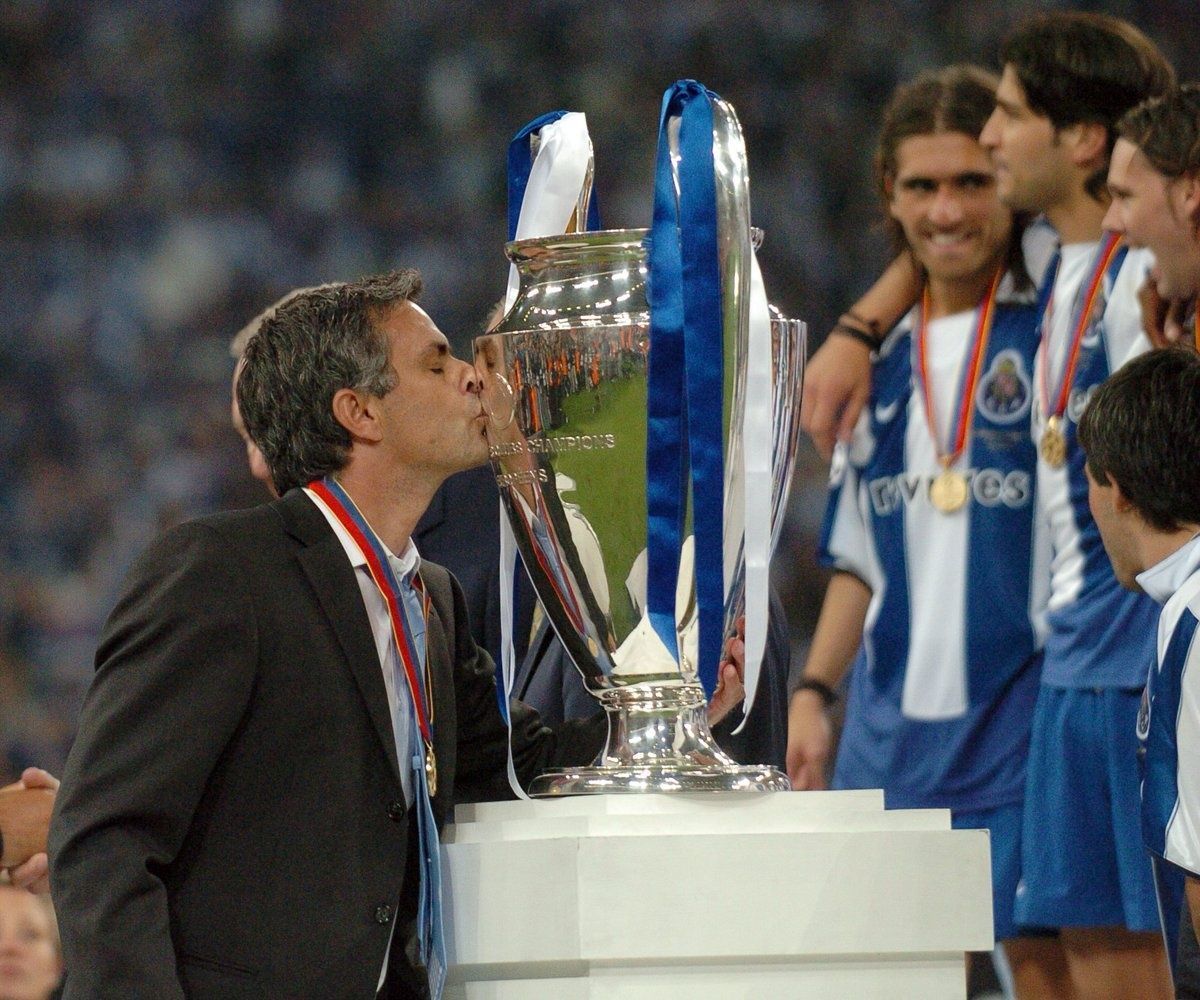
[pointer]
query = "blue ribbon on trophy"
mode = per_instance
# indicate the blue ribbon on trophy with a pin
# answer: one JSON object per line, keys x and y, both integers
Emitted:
{"x": 686, "y": 380}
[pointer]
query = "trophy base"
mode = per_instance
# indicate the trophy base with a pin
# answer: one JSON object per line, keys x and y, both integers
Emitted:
{"x": 642, "y": 780}
{"x": 659, "y": 741}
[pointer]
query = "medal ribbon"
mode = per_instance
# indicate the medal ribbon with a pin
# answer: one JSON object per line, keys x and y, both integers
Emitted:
{"x": 1105, "y": 253}
{"x": 970, "y": 378}
{"x": 350, "y": 518}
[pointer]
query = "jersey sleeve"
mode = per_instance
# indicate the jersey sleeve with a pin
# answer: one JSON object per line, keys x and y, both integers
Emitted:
{"x": 844, "y": 543}
{"x": 1181, "y": 841}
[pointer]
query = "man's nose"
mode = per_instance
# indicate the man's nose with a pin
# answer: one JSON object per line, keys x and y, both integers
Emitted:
{"x": 989, "y": 138}
{"x": 471, "y": 381}
{"x": 947, "y": 206}
{"x": 1112, "y": 220}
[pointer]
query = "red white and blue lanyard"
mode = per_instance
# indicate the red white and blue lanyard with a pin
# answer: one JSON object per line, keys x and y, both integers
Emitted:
{"x": 349, "y": 517}
{"x": 430, "y": 931}
{"x": 964, "y": 408}
{"x": 1054, "y": 404}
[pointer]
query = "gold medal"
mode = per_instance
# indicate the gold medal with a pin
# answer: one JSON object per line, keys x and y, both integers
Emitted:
{"x": 948, "y": 491}
{"x": 430, "y": 770}
{"x": 1054, "y": 443}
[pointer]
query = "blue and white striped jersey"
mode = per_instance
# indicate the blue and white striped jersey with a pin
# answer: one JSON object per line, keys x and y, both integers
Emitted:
{"x": 943, "y": 687}
{"x": 1169, "y": 723}
{"x": 1101, "y": 635}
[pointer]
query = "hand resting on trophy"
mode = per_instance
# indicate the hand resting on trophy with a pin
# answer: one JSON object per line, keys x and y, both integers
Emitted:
{"x": 730, "y": 674}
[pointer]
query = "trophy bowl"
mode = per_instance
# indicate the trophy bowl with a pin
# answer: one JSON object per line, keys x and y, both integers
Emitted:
{"x": 564, "y": 385}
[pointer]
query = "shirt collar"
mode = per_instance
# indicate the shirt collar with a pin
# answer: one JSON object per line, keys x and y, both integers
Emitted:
{"x": 1164, "y": 578}
{"x": 403, "y": 565}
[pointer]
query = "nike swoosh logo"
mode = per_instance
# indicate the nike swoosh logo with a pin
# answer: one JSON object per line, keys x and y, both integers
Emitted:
{"x": 884, "y": 414}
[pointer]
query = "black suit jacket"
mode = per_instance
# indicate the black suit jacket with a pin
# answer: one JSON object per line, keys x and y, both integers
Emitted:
{"x": 231, "y": 822}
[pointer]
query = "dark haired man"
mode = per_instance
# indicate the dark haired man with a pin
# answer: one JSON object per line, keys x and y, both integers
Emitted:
{"x": 287, "y": 699}
{"x": 1068, "y": 78}
{"x": 1143, "y": 469}
{"x": 459, "y": 529}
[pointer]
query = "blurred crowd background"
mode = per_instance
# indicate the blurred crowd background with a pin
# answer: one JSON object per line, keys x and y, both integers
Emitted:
{"x": 169, "y": 167}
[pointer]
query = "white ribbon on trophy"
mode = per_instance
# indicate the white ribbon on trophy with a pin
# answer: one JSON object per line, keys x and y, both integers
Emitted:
{"x": 757, "y": 486}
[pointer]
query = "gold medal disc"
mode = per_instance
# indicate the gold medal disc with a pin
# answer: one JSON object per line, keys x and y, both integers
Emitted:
{"x": 948, "y": 491}
{"x": 1054, "y": 443}
{"x": 430, "y": 770}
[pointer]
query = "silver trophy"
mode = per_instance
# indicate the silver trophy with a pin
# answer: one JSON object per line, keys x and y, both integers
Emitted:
{"x": 564, "y": 379}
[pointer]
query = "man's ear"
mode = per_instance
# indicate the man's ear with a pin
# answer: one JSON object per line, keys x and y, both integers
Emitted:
{"x": 1121, "y": 503}
{"x": 1088, "y": 143}
{"x": 356, "y": 412}
{"x": 889, "y": 191}
{"x": 1189, "y": 195}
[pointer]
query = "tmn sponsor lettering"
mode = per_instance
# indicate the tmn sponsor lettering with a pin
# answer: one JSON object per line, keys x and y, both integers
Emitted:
{"x": 988, "y": 487}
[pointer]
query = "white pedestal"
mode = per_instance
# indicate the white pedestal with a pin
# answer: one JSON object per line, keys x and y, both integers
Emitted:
{"x": 814, "y": 894}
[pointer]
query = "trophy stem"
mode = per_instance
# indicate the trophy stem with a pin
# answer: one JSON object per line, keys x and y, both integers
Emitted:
{"x": 658, "y": 741}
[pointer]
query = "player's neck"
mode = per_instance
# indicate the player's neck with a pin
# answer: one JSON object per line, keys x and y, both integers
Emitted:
{"x": 392, "y": 505}
{"x": 1078, "y": 218}
{"x": 950, "y": 296}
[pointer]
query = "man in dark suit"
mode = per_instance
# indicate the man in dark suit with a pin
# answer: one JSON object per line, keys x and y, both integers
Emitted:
{"x": 234, "y": 819}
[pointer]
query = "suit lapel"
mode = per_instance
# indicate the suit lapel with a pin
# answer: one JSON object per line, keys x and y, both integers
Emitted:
{"x": 332, "y": 577}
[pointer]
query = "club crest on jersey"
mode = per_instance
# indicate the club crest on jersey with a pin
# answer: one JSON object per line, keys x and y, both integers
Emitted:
{"x": 1143, "y": 716}
{"x": 1004, "y": 392}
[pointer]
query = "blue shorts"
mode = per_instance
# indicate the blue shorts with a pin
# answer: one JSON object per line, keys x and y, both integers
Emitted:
{"x": 1004, "y": 825}
{"x": 1082, "y": 857}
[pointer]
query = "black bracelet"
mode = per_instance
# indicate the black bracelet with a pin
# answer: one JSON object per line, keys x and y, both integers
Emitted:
{"x": 854, "y": 333}
{"x": 828, "y": 694}
{"x": 872, "y": 325}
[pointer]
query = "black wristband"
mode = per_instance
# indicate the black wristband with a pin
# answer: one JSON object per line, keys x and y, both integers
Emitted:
{"x": 870, "y": 326}
{"x": 828, "y": 694}
{"x": 854, "y": 333}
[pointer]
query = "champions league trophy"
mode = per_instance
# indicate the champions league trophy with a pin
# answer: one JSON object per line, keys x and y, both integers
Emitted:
{"x": 573, "y": 377}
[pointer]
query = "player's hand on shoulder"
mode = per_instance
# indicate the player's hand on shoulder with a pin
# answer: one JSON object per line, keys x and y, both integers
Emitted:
{"x": 837, "y": 383}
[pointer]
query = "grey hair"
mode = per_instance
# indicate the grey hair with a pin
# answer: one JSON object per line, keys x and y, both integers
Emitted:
{"x": 316, "y": 342}
{"x": 237, "y": 346}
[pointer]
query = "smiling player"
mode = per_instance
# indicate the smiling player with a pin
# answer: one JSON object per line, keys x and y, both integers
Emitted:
{"x": 930, "y": 520}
